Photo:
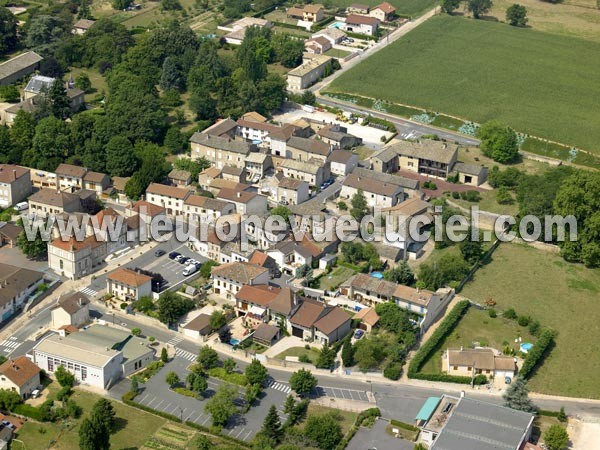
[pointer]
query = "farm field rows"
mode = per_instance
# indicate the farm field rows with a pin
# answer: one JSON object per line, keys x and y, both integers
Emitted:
{"x": 538, "y": 83}
{"x": 560, "y": 295}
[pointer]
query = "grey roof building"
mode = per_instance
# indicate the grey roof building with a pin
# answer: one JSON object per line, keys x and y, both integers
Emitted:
{"x": 18, "y": 67}
{"x": 230, "y": 145}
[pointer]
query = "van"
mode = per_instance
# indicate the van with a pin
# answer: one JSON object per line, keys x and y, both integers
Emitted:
{"x": 22, "y": 206}
{"x": 35, "y": 394}
{"x": 189, "y": 270}
{"x": 308, "y": 108}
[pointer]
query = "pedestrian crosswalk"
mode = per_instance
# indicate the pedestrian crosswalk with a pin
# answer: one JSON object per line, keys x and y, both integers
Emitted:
{"x": 174, "y": 341}
{"x": 9, "y": 345}
{"x": 88, "y": 291}
{"x": 185, "y": 354}
{"x": 408, "y": 135}
{"x": 279, "y": 386}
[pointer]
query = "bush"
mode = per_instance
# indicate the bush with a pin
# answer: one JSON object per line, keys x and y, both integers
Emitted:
{"x": 470, "y": 196}
{"x": 492, "y": 313}
{"x": 430, "y": 185}
{"x": 303, "y": 358}
{"x": 343, "y": 206}
{"x": 523, "y": 321}
{"x": 510, "y": 313}
{"x": 455, "y": 195}
{"x": 233, "y": 378}
{"x": 393, "y": 371}
{"x": 404, "y": 425}
{"x": 537, "y": 352}
{"x": 429, "y": 347}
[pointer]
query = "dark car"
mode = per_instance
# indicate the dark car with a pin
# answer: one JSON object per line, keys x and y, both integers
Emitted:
{"x": 159, "y": 252}
{"x": 183, "y": 260}
{"x": 358, "y": 334}
{"x": 174, "y": 255}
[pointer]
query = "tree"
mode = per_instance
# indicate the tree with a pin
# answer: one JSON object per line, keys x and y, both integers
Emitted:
{"x": 479, "y": 7}
{"x": 202, "y": 442}
{"x": 120, "y": 4}
{"x": 21, "y": 134}
{"x": 217, "y": 319}
{"x": 272, "y": 425}
{"x": 121, "y": 160}
{"x": 205, "y": 270}
{"x": 556, "y": 438}
{"x": 256, "y": 373}
{"x": 176, "y": 141}
{"x": 562, "y": 415}
{"x": 347, "y": 352}
{"x": 419, "y": 446}
{"x": 83, "y": 81}
{"x": 207, "y": 357}
{"x": 359, "y": 205}
{"x": 498, "y": 142}
{"x": 516, "y": 15}
{"x": 134, "y": 387}
{"x": 51, "y": 144}
{"x": 282, "y": 211}
{"x": 136, "y": 331}
{"x": 326, "y": 357}
{"x": 196, "y": 382}
{"x": 64, "y": 377}
{"x": 144, "y": 304}
{"x": 449, "y": 6}
{"x": 93, "y": 434}
{"x": 289, "y": 404}
{"x": 229, "y": 365}
{"x": 401, "y": 274}
{"x": 172, "y": 306}
{"x": 308, "y": 98}
{"x": 302, "y": 382}
{"x": 172, "y": 379}
{"x": 9, "y": 399}
{"x": 8, "y": 31}
{"x": 32, "y": 249}
{"x": 517, "y": 396}
{"x": 10, "y": 94}
{"x": 104, "y": 411}
{"x": 225, "y": 335}
{"x": 470, "y": 250}
{"x": 251, "y": 394}
{"x": 220, "y": 406}
{"x": 164, "y": 356}
{"x": 324, "y": 430}
{"x": 44, "y": 29}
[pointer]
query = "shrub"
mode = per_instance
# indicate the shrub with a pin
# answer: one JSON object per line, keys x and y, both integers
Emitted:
{"x": 233, "y": 378}
{"x": 455, "y": 195}
{"x": 343, "y": 206}
{"x": 404, "y": 425}
{"x": 492, "y": 313}
{"x": 480, "y": 379}
{"x": 510, "y": 313}
{"x": 523, "y": 321}
{"x": 470, "y": 196}
{"x": 124, "y": 305}
{"x": 537, "y": 352}
{"x": 432, "y": 345}
{"x": 534, "y": 328}
{"x": 393, "y": 371}
{"x": 304, "y": 359}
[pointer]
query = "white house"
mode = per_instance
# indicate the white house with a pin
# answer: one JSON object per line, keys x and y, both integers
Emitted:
{"x": 228, "y": 279}
{"x": 127, "y": 284}
{"x": 377, "y": 193}
{"x": 169, "y": 197}
{"x": 356, "y": 23}
{"x": 20, "y": 375}
{"x": 245, "y": 202}
{"x": 292, "y": 191}
{"x": 342, "y": 162}
{"x": 73, "y": 309}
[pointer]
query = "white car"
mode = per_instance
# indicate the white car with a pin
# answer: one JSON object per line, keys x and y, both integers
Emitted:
{"x": 189, "y": 270}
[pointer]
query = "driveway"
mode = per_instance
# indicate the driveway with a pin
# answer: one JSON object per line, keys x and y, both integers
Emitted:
{"x": 377, "y": 438}
{"x": 15, "y": 257}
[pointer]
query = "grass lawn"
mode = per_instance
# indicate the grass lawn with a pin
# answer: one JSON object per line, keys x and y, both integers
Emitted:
{"x": 337, "y": 53}
{"x": 488, "y": 203}
{"x": 331, "y": 281}
{"x": 477, "y": 327}
{"x": 97, "y": 80}
{"x": 560, "y": 295}
{"x": 490, "y": 71}
{"x": 133, "y": 427}
{"x": 346, "y": 418}
{"x": 312, "y": 354}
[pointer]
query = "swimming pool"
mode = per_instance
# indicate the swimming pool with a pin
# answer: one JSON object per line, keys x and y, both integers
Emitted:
{"x": 377, "y": 275}
{"x": 525, "y": 347}
{"x": 234, "y": 342}
{"x": 338, "y": 25}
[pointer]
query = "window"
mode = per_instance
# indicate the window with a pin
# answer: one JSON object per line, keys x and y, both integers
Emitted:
{"x": 455, "y": 368}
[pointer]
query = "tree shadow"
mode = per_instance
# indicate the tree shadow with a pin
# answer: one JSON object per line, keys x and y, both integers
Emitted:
{"x": 120, "y": 424}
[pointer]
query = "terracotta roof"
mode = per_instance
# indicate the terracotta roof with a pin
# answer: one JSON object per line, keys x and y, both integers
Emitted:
{"x": 241, "y": 272}
{"x": 301, "y": 166}
{"x": 107, "y": 214}
{"x": 323, "y": 42}
{"x": 14, "y": 280}
{"x": 120, "y": 182}
{"x": 199, "y": 323}
{"x": 73, "y": 302}
{"x": 310, "y": 145}
{"x": 74, "y": 244}
{"x": 426, "y": 149}
{"x": 129, "y": 277}
{"x": 253, "y": 116}
{"x": 260, "y": 294}
{"x": 70, "y": 170}
{"x": 371, "y": 185}
{"x": 265, "y": 332}
{"x": 10, "y": 172}
{"x": 291, "y": 183}
{"x": 504, "y": 363}
{"x": 271, "y": 129}
{"x": 295, "y": 12}
{"x": 308, "y": 313}
{"x": 335, "y": 318}
{"x": 340, "y": 156}
{"x": 368, "y": 316}
{"x": 260, "y": 258}
{"x": 409, "y": 207}
{"x": 168, "y": 191}
{"x": 403, "y": 182}
{"x": 236, "y": 196}
{"x": 149, "y": 209}
{"x": 19, "y": 370}
{"x": 386, "y": 8}
{"x": 285, "y": 302}
{"x": 359, "y": 6}
{"x": 220, "y": 183}
{"x": 417, "y": 296}
{"x": 362, "y": 20}
{"x": 95, "y": 177}
{"x": 211, "y": 172}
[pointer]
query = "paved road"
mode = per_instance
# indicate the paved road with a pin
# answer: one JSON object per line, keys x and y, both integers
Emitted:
{"x": 406, "y": 128}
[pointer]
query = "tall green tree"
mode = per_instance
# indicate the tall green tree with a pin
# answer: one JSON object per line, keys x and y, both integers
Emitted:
{"x": 207, "y": 357}
{"x": 8, "y": 31}
{"x": 59, "y": 102}
{"x": 324, "y": 430}
{"x": 121, "y": 161}
{"x": 51, "y": 144}
{"x": 32, "y": 249}
{"x": 498, "y": 142}
{"x": 104, "y": 410}
{"x": 347, "y": 352}
{"x": 479, "y": 7}
{"x": 517, "y": 396}
{"x": 326, "y": 357}
{"x": 449, "y": 6}
{"x": 401, "y": 274}
{"x": 556, "y": 438}
{"x": 255, "y": 372}
{"x": 272, "y": 425}
{"x": 516, "y": 15}
{"x": 172, "y": 306}
{"x": 220, "y": 406}
{"x": 93, "y": 434}
{"x": 359, "y": 204}
{"x": 302, "y": 382}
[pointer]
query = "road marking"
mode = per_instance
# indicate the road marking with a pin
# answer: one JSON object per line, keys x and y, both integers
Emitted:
{"x": 168, "y": 406}
{"x": 142, "y": 400}
{"x": 231, "y": 431}
{"x": 154, "y": 398}
{"x": 161, "y": 402}
{"x": 279, "y": 386}
{"x": 174, "y": 341}
{"x": 249, "y": 433}
{"x": 88, "y": 291}
{"x": 188, "y": 417}
{"x": 185, "y": 354}
{"x": 205, "y": 420}
{"x": 197, "y": 418}
{"x": 9, "y": 345}
{"x": 238, "y": 435}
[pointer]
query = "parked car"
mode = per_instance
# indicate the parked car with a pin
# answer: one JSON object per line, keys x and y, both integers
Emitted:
{"x": 183, "y": 259}
{"x": 159, "y": 252}
{"x": 358, "y": 334}
{"x": 189, "y": 270}
{"x": 174, "y": 255}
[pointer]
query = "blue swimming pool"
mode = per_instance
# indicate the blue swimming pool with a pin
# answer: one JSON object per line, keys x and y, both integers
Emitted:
{"x": 234, "y": 342}
{"x": 336, "y": 25}
{"x": 526, "y": 346}
{"x": 377, "y": 275}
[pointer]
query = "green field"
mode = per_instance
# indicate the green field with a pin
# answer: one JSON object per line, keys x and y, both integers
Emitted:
{"x": 312, "y": 354}
{"x": 538, "y": 83}
{"x": 332, "y": 281}
{"x": 560, "y": 295}
{"x": 477, "y": 327}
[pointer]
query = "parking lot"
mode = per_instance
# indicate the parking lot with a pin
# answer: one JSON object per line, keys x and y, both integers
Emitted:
{"x": 345, "y": 394}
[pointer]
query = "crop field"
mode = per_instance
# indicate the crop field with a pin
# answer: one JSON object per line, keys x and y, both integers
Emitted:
{"x": 560, "y": 295}
{"x": 538, "y": 83}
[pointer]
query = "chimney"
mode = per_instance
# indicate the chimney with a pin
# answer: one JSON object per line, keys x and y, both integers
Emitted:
{"x": 14, "y": 174}
{"x": 239, "y": 195}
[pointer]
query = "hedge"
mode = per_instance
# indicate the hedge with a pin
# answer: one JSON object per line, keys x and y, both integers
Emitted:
{"x": 432, "y": 345}
{"x": 404, "y": 425}
{"x": 537, "y": 352}
{"x": 32, "y": 412}
{"x": 544, "y": 412}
